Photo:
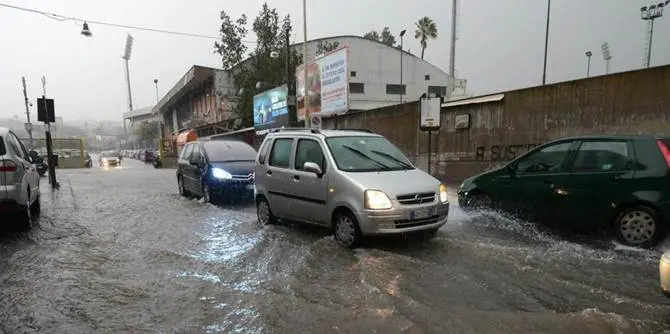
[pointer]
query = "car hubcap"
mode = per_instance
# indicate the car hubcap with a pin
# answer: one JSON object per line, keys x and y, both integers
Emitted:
{"x": 637, "y": 227}
{"x": 263, "y": 212}
{"x": 345, "y": 231}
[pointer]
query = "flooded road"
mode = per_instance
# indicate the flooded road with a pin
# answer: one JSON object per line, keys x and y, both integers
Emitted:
{"x": 119, "y": 251}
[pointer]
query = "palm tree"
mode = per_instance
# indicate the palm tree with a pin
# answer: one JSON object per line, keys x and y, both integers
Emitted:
{"x": 425, "y": 29}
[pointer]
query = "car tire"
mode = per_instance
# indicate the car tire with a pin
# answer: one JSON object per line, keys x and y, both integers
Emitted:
{"x": 639, "y": 226}
{"x": 36, "y": 207}
{"x": 206, "y": 192}
{"x": 24, "y": 219}
{"x": 180, "y": 184}
{"x": 347, "y": 233}
{"x": 264, "y": 213}
{"x": 479, "y": 201}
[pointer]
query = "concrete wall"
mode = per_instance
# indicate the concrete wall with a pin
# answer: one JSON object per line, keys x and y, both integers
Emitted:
{"x": 635, "y": 102}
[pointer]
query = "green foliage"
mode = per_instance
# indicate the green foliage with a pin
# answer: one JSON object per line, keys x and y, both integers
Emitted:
{"x": 425, "y": 29}
{"x": 325, "y": 46}
{"x": 232, "y": 47}
{"x": 260, "y": 66}
{"x": 385, "y": 36}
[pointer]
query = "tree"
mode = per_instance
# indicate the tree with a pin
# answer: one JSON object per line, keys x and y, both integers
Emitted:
{"x": 232, "y": 47}
{"x": 325, "y": 46}
{"x": 385, "y": 36}
{"x": 259, "y": 67}
{"x": 425, "y": 29}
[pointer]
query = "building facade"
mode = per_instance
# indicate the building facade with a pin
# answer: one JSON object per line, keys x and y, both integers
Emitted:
{"x": 203, "y": 99}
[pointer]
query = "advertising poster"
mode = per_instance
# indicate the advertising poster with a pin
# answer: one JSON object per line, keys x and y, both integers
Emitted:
{"x": 271, "y": 108}
{"x": 328, "y": 82}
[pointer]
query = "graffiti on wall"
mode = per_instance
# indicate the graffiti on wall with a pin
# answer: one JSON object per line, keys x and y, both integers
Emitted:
{"x": 502, "y": 152}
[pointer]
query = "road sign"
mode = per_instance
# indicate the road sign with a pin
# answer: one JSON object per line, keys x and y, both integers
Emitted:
{"x": 45, "y": 110}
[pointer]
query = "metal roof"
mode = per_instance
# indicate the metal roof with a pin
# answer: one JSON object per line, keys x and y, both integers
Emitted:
{"x": 474, "y": 100}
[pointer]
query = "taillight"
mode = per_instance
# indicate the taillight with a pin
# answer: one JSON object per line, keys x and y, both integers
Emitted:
{"x": 665, "y": 152}
{"x": 7, "y": 166}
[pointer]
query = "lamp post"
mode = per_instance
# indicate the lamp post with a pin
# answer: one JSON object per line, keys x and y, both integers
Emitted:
{"x": 304, "y": 62}
{"x": 650, "y": 14}
{"x": 607, "y": 56}
{"x": 546, "y": 43}
{"x": 402, "y": 33}
{"x": 588, "y": 63}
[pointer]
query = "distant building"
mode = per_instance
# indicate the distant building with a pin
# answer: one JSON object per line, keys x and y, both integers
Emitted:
{"x": 204, "y": 97}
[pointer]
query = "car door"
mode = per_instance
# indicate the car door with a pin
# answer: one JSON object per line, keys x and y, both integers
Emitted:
{"x": 526, "y": 188}
{"x": 279, "y": 178}
{"x": 184, "y": 166}
{"x": 195, "y": 170}
{"x": 599, "y": 177}
{"x": 310, "y": 191}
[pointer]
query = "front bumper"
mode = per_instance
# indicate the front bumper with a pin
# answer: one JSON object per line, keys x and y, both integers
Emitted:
{"x": 232, "y": 188}
{"x": 403, "y": 219}
{"x": 111, "y": 163}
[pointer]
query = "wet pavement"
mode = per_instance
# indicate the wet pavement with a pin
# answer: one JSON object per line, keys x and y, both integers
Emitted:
{"x": 118, "y": 250}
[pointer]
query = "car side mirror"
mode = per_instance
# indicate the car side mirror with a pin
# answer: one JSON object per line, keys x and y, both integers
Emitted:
{"x": 312, "y": 168}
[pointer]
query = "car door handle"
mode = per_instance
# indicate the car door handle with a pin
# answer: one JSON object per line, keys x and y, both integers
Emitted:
{"x": 296, "y": 178}
{"x": 269, "y": 172}
{"x": 616, "y": 178}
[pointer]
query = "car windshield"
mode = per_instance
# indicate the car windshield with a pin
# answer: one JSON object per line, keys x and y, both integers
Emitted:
{"x": 110, "y": 155}
{"x": 226, "y": 151}
{"x": 366, "y": 154}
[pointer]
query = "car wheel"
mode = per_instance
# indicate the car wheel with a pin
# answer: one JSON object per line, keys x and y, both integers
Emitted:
{"x": 265, "y": 215}
{"x": 24, "y": 219}
{"x": 206, "y": 192}
{"x": 36, "y": 207}
{"x": 639, "y": 226}
{"x": 479, "y": 201}
{"x": 347, "y": 232}
{"x": 180, "y": 184}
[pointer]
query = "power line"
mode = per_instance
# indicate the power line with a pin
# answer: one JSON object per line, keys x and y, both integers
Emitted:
{"x": 61, "y": 18}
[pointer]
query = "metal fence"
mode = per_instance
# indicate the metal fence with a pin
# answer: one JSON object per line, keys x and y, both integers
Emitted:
{"x": 69, "y": 151}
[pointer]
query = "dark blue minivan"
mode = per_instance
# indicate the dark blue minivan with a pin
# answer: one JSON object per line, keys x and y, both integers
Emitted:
{"x": 216, "y": 170}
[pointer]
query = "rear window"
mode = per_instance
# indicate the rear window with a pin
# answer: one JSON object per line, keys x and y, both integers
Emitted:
{"x": 3, "y": 151}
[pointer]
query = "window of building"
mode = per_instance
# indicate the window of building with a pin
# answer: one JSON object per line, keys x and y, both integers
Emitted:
{"x": 438, "y": 90}
{"x": 427, "y": 77}
{"x": 281, "y": 153}
{"x": 393, "y": 89}
{"x": 356, "y": 88}
{"x": 353, "y": 74}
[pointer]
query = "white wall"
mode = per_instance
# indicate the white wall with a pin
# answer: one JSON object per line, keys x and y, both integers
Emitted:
{"x": 377, "y": 65}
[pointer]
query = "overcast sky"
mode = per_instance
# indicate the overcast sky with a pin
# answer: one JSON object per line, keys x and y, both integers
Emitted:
{"x": 500, "y": 43}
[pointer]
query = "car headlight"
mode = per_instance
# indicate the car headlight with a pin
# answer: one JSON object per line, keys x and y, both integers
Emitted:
{"x": 219, "y": 173}
{"x": 443, "y": 193}
{"x": 377, "y": 200}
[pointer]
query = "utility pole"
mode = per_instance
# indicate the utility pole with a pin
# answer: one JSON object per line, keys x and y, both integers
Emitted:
{"x": 452, "y": 58}
{"x": 546, "y": 44}
{"x": 292, "y": 117}
{"x": 588, "y": 63}
{"x": 304, "y": 62}
{"x": 29, "y": 126}
{"x": 47, "y": 133}
{"x": 158, "y": 119}
{"x": 402, "y": 33}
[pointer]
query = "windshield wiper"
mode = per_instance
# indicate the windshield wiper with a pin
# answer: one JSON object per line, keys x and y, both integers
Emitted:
{"x": 400, "y": 162}
{"x": 360, "y": 153}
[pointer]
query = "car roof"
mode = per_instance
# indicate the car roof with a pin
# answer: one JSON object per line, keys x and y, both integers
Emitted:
{"x": 611, "y": 137}
{"x": 322, "y": 133}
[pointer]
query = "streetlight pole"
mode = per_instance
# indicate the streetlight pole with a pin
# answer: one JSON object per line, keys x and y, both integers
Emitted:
{"x": 607, "y": 56}
{"x": 650, "y": 14}
{"x": 304, "y": 62}
{"x": 29, "y": 126}
{"x": 588, "y": 63}
{"x": 546, "y": 43}
{"x": 402, "y": 34}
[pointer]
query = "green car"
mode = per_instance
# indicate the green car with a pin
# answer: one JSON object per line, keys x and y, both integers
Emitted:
{"x": 619, "y": 182}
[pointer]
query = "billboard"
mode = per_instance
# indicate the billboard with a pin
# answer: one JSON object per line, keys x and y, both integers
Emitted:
{"x": 328, "y": 83}
{"x": 271, "y": 108}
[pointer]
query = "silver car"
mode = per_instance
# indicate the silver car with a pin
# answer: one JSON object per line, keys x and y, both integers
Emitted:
{"x": 355, "y": 182}
{"x": 19, "y": 181}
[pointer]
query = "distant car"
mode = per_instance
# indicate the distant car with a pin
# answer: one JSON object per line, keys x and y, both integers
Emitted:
{"x": 109, "y": 159}
{"x": 664, "y": 272}
{"x": 622, "y": 182}
{"x": 19, "y": 181}
{"x": 355, "y": 182}
{"x": 88, "y": 162}
{"x": 215, "y": 169}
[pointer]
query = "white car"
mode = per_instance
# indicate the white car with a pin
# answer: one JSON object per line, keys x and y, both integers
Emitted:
{"x": 19, "y": 181}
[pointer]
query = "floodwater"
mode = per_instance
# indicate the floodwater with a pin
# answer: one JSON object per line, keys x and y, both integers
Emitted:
{"x": 118, "y": 250}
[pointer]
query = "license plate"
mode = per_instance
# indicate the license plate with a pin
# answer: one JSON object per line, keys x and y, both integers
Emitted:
{"x": 421, "y": 214}
{"x": 250, "y": 186}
